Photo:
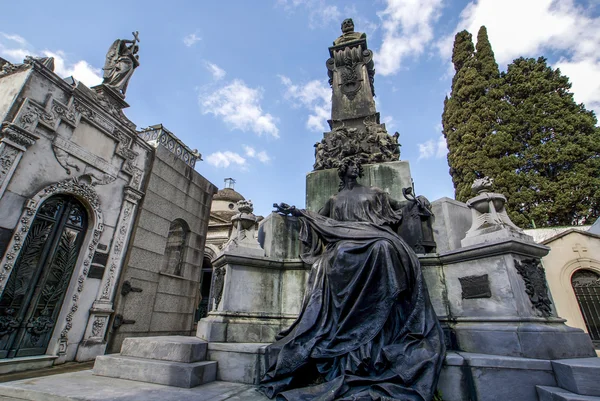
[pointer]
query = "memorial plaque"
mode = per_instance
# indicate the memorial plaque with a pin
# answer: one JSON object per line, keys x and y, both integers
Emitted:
{"x": 96, "y": 272}
{"x": 475, "y": 287}
{"x": 100, "y": 258}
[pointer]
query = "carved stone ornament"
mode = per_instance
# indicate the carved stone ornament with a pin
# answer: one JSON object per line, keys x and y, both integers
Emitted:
{"x": 159, "y": 135}
{"x": 117, "y": 251}
{"x": 534, "y": 276}
{"x": 18, "y": 136}
{"x": 89, "y": 197}
{"x": 371, "y": 144}
{"x": 217, "y": 287}
{"x": 98, "y": 326}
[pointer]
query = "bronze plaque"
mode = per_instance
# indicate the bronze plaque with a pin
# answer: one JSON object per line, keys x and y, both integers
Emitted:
{"x": 475, "y": 287}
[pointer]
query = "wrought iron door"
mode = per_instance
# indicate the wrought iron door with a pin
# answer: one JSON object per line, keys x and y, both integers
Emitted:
{"x": 32, "y": 299}
{"x": 586, "y": 285}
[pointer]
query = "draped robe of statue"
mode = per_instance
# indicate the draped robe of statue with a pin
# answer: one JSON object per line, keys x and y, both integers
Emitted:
{"x": 120, "y": 63}
{"x": 367, "y": 330}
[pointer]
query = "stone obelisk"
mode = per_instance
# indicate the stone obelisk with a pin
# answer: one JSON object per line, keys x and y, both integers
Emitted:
{"x": 356, "y": 130}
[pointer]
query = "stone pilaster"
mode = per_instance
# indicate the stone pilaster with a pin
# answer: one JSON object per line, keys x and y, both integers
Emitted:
{"x": 102, "y": 307}
{"x": 13, "y": 144}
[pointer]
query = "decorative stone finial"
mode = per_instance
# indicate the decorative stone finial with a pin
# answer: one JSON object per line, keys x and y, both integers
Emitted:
{"x": 481, "y": 185}
{"x": 243, "y": 239}
{"x": 490, "y": 222}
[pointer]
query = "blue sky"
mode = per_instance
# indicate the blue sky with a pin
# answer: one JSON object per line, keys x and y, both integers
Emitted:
{"x": 245, "y": 82}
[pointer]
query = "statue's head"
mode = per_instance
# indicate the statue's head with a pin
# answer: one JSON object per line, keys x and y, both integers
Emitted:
{"x": 349, "y": 167}
{"x": 347, "y": 25}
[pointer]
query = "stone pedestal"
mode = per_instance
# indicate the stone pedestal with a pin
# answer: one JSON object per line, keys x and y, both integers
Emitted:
{"x": 390, "y": 177}
{"x": 258, "y": 298}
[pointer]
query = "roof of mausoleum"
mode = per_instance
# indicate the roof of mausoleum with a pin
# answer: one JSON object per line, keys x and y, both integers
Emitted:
{"x": 228, "y": 194}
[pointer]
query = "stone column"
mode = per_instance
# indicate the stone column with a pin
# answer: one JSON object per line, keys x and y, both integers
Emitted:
{"x": 94, "y": 339}
{"x": 351, "y": 74}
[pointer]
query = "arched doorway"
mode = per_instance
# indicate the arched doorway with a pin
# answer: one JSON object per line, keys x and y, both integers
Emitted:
{"x": 203, "y": 307}
{"x": 586, "y": 285}
{"x": 34, "y": 293}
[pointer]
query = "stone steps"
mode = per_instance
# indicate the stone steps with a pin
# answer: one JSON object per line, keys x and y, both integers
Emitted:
{"x": 578, "y": 380}
{"x": 167, "y": 348}
{"x": 579, "y": 376}
{"x": 546, "y": 393}
{"x": 170, "y": 360}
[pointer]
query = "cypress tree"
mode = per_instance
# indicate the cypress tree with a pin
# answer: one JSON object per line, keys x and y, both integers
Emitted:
{"x": 471, "y": 113}
{"x": 557, "y": 148}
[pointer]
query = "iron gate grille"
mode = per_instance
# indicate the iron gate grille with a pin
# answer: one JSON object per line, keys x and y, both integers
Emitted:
{"x": 586, "y": 285}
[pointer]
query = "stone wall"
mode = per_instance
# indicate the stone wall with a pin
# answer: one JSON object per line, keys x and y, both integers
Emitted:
{"x": 167, "y": 301}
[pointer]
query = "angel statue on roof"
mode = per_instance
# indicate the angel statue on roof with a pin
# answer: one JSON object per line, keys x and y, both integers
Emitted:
{"x": 121, "y": 60}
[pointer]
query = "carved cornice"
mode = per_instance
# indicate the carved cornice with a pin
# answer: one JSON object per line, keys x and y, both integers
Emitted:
{"x": 159, "y": 135}
{"x": 17, "y": 135}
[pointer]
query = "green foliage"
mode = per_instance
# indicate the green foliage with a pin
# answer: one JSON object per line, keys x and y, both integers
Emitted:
{"x": 523, "y": 129}
{"x": 470, "y": 114}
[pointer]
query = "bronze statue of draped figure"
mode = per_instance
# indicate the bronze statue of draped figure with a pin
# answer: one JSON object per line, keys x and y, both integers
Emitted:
{"x": 367, "y": 329}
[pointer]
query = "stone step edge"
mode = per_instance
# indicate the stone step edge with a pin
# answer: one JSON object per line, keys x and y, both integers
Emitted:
{"x": 134, "y": 347}
{"x": 177, "y": 374}
{"x": 548, "y": 393}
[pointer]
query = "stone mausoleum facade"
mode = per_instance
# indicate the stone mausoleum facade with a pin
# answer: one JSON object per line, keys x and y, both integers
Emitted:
{"x": 102, "y": 225}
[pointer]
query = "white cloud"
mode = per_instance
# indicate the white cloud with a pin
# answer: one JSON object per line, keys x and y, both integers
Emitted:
{"x": 63, "y": 67}
{"x": 250, "y": 152}
{"x": 319, "y": 12}
{"x": 191, "y": 39}
{"x": 81, "y": 70}
{"x": 315, "y": 96}
{"x": 15, "y": 38}
{"x": 432, "y": 148}
{"x": 389, "y": 122}
{"x": 533, "y": 28}
{"x": 225, "y": 159}
{"x": 239, "y": 106}
{"x": 585, "y": 77}
{"x": 217, "y": 72}
{"x": 262, "y": 156}
{"x": 14, "y": 55}
{"x": 407, "y": 29}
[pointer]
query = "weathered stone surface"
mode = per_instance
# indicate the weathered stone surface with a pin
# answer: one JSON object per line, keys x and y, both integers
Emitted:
{"x": 390, "y": 177}
{"x": 278, "y": 235}
{"x": 581, "y": 376}
{"x": 12, "y": 365}
{"x": 239, "y": 363}
{"x": 167, "y": 348}
{"x": 155, "y": 371}
{"x": 548, "y": 393}
{"x": 451, "y": 223}
{"x": 490, "y": 378}
{"x": 86, "y": 386}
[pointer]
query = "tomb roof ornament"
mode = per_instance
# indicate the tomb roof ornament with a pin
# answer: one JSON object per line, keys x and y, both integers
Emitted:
{"x": 121, "y": 60}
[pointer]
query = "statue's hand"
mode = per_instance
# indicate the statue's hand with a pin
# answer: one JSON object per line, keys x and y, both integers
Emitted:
{"x": 285, "y": 209}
